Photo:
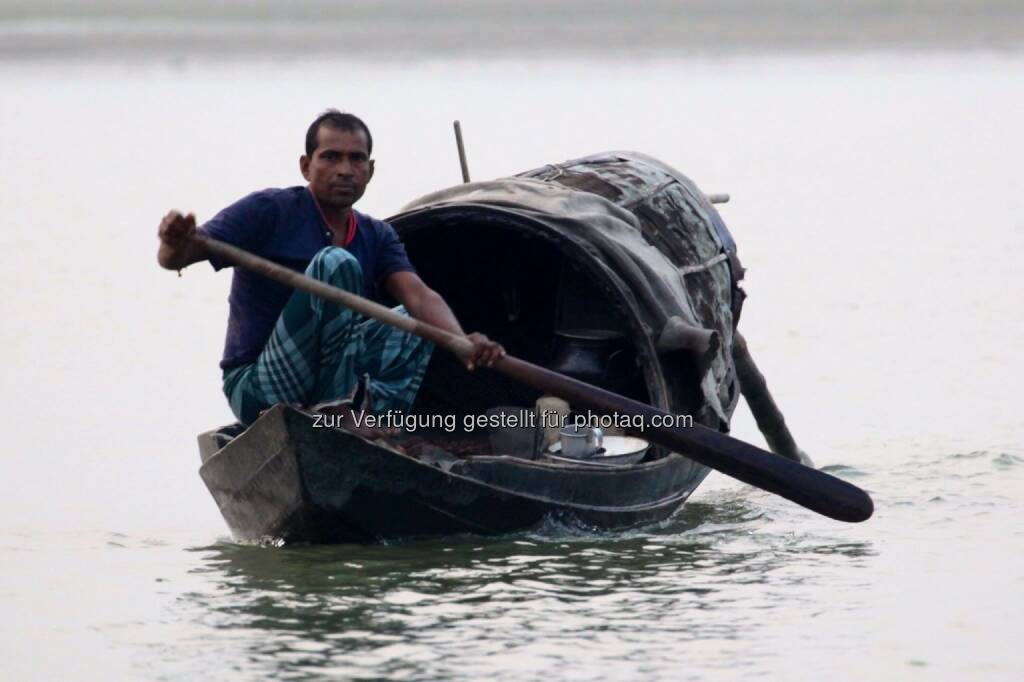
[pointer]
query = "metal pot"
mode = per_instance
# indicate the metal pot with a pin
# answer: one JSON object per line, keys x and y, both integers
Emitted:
{"x": 596, "y": 356}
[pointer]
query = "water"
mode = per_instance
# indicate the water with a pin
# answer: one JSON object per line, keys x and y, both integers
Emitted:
{"x": 876, "y": 205}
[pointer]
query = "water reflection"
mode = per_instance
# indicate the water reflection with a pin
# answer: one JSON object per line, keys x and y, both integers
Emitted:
{"x": 412, "y": 610}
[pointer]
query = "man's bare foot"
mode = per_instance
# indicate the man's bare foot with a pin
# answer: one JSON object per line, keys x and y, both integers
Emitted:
{"x": 356, "y": 423}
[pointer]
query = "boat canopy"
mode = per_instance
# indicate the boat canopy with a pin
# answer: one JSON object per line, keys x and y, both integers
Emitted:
{"x": 618, "y": 243}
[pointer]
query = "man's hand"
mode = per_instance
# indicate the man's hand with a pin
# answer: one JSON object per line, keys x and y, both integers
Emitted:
{"x": 176, "y": 246}
{"x": 485, "y": 352}
{"x": 176, "y": 229}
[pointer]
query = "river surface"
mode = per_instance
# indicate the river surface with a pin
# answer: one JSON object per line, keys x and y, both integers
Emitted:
{"x": 876, "y": 204}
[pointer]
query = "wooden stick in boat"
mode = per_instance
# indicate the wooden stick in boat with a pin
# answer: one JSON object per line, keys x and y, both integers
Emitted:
{"x": 462, "y": 152}
{"x": 815, "y": 490}
{"x": 767, "y": 414}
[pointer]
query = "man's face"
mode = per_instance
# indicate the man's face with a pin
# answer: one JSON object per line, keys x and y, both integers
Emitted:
{"x": 340, "y": 167}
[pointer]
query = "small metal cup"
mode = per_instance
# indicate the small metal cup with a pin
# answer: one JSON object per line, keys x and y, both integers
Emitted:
{"x": 580, "y": 442}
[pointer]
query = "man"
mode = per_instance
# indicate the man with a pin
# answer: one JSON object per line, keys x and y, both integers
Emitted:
{"x": 289, "y": 346}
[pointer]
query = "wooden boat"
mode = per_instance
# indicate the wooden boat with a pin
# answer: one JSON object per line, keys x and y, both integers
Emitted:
{"x": 284, "y": 478}
{"x": 613, "y": 268}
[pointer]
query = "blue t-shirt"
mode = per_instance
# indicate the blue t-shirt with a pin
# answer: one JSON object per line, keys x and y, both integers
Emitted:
{"x": 285, "y": 226}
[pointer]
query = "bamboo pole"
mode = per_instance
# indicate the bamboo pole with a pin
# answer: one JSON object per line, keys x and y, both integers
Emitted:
{"x": 769, "y": 418}
{"x": 462, "y": 152}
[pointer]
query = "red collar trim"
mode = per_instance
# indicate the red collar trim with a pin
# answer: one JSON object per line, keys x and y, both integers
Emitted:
{"x": 350, "y": 233}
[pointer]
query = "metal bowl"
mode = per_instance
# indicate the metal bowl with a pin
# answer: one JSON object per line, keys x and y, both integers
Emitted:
{"x": 617, "y": 451}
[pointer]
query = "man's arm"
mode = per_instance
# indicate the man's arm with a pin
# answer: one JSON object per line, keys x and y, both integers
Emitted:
{"x": 423, "y": 303}
{"x": 177, "y": 250}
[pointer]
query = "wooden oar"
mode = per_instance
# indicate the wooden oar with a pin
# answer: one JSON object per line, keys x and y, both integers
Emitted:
{"x": 808, "y": 487}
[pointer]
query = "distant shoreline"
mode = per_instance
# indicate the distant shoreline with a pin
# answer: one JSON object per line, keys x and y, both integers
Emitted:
{"x": 498, "y": 28}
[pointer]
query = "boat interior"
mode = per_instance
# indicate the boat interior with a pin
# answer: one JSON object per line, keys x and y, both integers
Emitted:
{"x": 520, "y": 288}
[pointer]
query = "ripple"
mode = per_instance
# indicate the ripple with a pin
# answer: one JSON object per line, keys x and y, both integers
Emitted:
{"x": 974, "y": 454}
{"x": 844, "y": 470}
{"x": 1007, "y": 461}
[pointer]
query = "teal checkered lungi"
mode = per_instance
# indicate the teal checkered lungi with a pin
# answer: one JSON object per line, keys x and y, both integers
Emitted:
{"x": 318, "y": 352}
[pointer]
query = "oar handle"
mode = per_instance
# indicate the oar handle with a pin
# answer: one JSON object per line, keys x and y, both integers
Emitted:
{"x": 810, "y": 488}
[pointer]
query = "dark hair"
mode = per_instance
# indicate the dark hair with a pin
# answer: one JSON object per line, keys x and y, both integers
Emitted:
{"x": 339, "y": 121}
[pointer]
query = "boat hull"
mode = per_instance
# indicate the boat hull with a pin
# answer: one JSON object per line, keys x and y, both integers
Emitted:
{"x": 287, "y": 480}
